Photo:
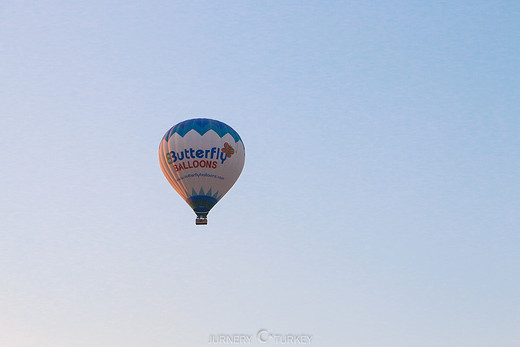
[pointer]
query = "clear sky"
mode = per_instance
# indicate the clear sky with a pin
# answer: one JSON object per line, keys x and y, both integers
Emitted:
{"x": 378, "y": 206}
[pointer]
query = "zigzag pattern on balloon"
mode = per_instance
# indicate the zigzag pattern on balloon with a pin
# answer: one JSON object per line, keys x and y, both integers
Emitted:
{"x": 209, "y": 193}
{"x": 202, "y": 202}
{"x": 202, "y": 126}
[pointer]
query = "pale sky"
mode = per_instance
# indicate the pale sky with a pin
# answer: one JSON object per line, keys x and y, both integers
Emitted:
{"x": 379, "y": 202}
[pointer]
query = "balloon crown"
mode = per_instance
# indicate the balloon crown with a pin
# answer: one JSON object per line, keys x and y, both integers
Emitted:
{"x": 202, "y": 126}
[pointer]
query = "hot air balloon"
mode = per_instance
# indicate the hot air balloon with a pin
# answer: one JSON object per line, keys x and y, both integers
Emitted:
{"x": 202, "y": 159}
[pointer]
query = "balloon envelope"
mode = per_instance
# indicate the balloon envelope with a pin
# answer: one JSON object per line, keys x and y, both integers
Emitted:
{"x": 202, "y": 159}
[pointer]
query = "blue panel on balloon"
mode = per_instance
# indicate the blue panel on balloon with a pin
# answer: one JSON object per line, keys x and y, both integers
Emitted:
{"x": 202, "y": 126}
{"x": 202, "y": 203}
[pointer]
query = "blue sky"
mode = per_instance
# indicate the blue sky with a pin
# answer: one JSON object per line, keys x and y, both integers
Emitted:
{"x": 379, "y": 201}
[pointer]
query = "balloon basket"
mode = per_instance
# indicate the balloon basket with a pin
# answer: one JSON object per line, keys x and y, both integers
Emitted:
{"x": 201, "y": 221}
